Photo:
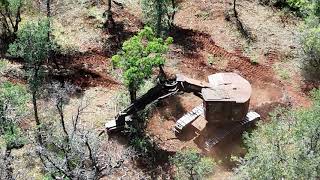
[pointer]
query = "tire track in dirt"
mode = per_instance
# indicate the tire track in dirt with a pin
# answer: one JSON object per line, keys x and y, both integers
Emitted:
{"x": 239, "y": 63}
{"x": 268, "y": 88}
{"x": 261, "y": 76}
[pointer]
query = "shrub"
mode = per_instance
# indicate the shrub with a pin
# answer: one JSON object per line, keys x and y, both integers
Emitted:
{"x": 286, "y": 148}
{"x": 310, "y": 41}
{"x": 298, "y": 6}
{"x": 191, "y": 165}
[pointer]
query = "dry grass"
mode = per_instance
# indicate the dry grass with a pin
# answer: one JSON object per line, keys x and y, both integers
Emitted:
{"x": 77, "y": 25}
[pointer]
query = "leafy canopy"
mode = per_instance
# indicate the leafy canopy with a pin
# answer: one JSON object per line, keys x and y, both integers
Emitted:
{"x": 32, "y": 43}
{"x": 33, "y": 46}
{"x": 190, "y": 164}
{"x": 139, "y": 55}
{"x": 286, "y": 148}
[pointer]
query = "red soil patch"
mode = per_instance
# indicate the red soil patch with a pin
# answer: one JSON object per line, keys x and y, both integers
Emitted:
{"x": 15, "y": 80}
{"x": 268, "y": 91}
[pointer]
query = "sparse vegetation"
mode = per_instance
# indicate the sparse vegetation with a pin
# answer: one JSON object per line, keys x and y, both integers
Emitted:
{"x": 204, "y": 15}
{"x": 68, "y": 67}
{"x": 71, "y": 150}
{"x": 210, "y": 59}
{"x": 282, "y": 71}
{"x": 95, "y": 13}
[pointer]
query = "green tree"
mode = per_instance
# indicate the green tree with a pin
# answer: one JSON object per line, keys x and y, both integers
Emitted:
{"x": 159, "y": 14}
{"x": 10, "y": 17}
{"x": 33, "y": 46}
{"x": 191, "y": 165}
{"x": 286, "y": 148}
{"x": 139, "y": 55}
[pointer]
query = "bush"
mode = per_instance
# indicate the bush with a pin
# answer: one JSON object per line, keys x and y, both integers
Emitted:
{"x": 272, "y": 2}
{"x": 286, "y": 148}
{"x": 14, "y": 138}
{"x": 310, "y": 41}
{"x": 295, "y": 5}
{"x": 191, "y": 165}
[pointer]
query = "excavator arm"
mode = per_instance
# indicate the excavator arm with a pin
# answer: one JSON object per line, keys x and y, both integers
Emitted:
{"x": 161, "y": 91}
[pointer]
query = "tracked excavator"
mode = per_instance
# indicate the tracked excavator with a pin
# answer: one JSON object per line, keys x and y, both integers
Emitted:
{"x": 225, "y": 98}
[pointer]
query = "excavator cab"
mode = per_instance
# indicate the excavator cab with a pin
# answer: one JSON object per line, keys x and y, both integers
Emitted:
{"x": 227, "y": 99}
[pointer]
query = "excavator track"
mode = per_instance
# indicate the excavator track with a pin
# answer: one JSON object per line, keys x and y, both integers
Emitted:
{"x": 188, "y": 118}
{"x": 250, "y": 117}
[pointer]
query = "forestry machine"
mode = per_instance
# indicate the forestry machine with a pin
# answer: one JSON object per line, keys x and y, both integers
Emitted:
{"x": 225, "y": 100}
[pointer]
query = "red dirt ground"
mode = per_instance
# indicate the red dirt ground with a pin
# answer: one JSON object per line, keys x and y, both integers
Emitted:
{"x": 268, "y": 93}
{"x": 189, "y": 54}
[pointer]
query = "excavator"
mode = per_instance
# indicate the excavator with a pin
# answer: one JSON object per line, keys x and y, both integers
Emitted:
{"x": 225, "y": 99}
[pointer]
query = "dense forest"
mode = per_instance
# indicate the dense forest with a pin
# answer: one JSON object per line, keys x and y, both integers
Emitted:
{"x": 93, "y": 89}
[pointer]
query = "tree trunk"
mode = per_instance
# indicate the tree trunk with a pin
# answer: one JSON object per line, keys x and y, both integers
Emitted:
{"x": 35, "y": 105}
{"x": 7, "y": 161}
{"x": 36, "y": 116}
{"x": 234, "y": 9}
{"x": 159, "y": 18}
{"x": 133, "y": 94}
{"x": 109, "y": 24}
{"x": 162, "y": 74}
{"x": 239, "y": 24}
{"x": 173, "y": 3}
{"x": 18, "y": 20}
{"x": 59, "y": 106}
{"x": 48, "y": 17}
{"x": 109, "y": 6}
